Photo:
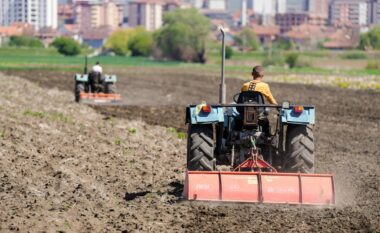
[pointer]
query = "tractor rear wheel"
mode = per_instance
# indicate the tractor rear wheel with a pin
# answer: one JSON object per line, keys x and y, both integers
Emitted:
{"x": 110, "y": 88}
{"x": 79, "y": 87}
{"x": 200, "y": 148}
{"x": 299, "y": 154}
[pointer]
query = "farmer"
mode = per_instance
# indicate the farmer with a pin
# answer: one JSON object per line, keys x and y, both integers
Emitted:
{"x": 97, "y": 68}
{"x": 257, "y": 85}
{"x": 96, "y": 78}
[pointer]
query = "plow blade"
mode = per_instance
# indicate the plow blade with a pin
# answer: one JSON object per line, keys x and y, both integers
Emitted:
{"x": 99, "y": 98}
{"x": 263, "y": 187}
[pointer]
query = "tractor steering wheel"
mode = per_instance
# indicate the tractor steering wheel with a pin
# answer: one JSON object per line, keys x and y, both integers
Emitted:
{"x": 236, "y": 97}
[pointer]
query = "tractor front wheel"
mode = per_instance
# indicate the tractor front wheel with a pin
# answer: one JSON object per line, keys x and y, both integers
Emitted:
{"x": 200, "y": 148}
{"x": 299, "y": 154}
{"x": 79, "y": 87}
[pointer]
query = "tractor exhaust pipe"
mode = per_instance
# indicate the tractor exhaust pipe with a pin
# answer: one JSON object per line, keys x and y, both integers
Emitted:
{"x": 222, "y": 86}
{"x": 85, "y": 65}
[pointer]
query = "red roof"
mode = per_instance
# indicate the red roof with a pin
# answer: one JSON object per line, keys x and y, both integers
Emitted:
{"x": 148, "y": 1}
{"x": 97, "y": 33}
{"x": 262, "y": 30}
{"x": 343, "y": 38}
{"x": 307, "y": 31}
{"x": 10, "y": 31}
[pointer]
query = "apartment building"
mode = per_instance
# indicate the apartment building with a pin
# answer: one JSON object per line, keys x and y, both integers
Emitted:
{"x": 297, "y": 6}
{"x": 350, "y": 12}
{"x": 264, "y": 7}
{"x": 318, "y": 8}
{"x": 374, "y": 13}
{"x": 145, "y": 13}
{"x": 95, "y": 14}
{"x": 216, "y": 4}
{"x": 199, "y": 4}
{"x": 39, "y": 13}
{"x": 148, "y": 13}
{"x": 286, "y": 21}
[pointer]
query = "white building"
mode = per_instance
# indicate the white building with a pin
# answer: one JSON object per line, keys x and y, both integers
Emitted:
{"x": 40, "y": 13}
{"x": 145, "y": 13}
{"x": 234, "y": 5}
{"x": 216, "y": 4}
{"x": 196, "y": 3}
{"x": 281, "y": 6}
{"x": 264, "y": 7}
{"x": 296, "y": 6}
{"x": 374, "y": 12}
{"x": 353, "y": 12}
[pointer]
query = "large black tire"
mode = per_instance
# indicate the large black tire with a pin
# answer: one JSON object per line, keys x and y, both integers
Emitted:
{"x": 299, "y": 154}
{"x": 110, "y": 88}
{"x": 78, "y": 88}
{"x": 200, "y": 148}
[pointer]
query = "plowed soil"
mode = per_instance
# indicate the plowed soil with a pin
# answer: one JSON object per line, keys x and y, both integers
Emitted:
{"x": 72, "y": 168}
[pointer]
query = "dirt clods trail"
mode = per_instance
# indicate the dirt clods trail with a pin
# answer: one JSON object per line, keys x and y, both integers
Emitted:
{"x": 68, "y": 167}
{"x": 65, "y": 167}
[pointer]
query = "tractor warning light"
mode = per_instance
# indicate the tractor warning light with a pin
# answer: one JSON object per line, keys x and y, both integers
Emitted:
{"x": 206, "y": 108}
{"x": 298, "y": 109}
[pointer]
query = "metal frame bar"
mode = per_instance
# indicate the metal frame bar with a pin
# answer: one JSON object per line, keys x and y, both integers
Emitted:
{"x": 252, "y": 105}
{"x": 259, "y": 176}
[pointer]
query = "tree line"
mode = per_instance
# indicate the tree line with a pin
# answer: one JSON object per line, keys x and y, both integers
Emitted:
{"x": 183, "y": 36}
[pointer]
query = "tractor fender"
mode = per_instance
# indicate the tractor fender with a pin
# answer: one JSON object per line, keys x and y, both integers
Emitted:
{"x": 81, "y": 77}
{"x": 110, "y": 78}
{"x": 195, "y": 116}
{"x": 291, "y": 116}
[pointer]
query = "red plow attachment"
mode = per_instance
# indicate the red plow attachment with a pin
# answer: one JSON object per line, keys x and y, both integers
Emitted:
{"x": 260, "y": 187}
{"x": 100, "y": 97}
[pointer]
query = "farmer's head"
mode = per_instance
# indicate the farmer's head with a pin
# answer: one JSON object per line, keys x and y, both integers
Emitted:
{"x": 258, "y": 72}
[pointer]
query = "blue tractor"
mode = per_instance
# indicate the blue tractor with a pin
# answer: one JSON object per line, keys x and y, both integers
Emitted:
{"x": 95, "y": 88}
{"x": 239, "y": 137}
{"x": 235, "y": 154}
{"x": 224, "y": 136}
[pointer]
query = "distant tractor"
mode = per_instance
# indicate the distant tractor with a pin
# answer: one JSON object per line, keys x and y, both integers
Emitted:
{"x": 95, "y": 88}
{"x": 235, "y": 154}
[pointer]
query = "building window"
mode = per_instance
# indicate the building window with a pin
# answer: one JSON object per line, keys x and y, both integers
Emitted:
{"x": 138, "y": 14}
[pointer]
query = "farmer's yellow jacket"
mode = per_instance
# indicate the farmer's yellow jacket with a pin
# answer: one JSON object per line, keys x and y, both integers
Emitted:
{"x": 263, "y": 88}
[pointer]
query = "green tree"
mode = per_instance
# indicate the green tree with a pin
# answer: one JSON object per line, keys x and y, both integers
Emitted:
{"x": 291, "y": 59}
{"x": 183, "y": 35}
{"x": 25, "y": 41}
{"x": 140, "y": 43}
{"x": 66, "y": 46}
{"x": 283, "y": 44}
{"x": 118, "y": 41}
{"x": 229, "y": 52}
{"x": 247, "y": 39}
{"x": 371, "y": 39}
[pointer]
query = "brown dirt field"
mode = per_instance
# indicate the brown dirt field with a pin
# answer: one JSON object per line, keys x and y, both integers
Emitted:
{"x": 72, "y": 169}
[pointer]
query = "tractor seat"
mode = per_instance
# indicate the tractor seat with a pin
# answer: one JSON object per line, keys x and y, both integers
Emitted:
{"x": 250, "y": 97}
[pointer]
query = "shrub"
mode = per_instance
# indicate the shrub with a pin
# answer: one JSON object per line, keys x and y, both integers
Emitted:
{"x": 355, "y": 55}
{"x": 66, "y": 46}
{"x": 247, "y": 39}
{"x": 283, "y": 44}
{"x": 229, "y": 52}
{"x": 291, "y": 59}
{"x": 373, "y": 65}
{"x": 273, "y": 61}
{"x": 25, "y": 41}
{"x": 370, "y": 40}
{"x": 303, "y": 63}
{"x": 141, "y": 43}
